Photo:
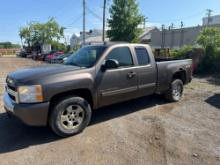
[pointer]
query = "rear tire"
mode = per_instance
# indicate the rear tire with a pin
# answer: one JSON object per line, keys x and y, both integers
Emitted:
{"x": 174, "y": 94}
{"x": 70, "y": 116}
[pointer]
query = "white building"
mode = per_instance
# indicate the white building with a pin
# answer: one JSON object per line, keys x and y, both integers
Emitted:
{"x": 74, "y": 40}
{"x": 145, "y": 37}
{"x": 214, "y": 20}
{"x": 93, "y": 36}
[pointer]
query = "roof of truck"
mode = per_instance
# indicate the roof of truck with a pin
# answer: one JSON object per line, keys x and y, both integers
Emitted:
{"x": 108, "y": 44}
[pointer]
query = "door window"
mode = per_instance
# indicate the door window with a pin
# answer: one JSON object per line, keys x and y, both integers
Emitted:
{"x": 142, "y": 56}
{"x": 122, "y": 55}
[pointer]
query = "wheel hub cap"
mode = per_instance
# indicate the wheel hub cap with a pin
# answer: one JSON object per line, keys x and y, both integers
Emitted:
{"x": 177, "y": 91}
{"x": 72, "y": 117}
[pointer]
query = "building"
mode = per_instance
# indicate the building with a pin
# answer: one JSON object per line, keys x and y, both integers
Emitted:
{"x": 93, "y": 36}
{"x": 74, "y": 40}
{"x": 175, "y": 38}
{"x": 145, "y": 37}
{"x": 213, "y": 20}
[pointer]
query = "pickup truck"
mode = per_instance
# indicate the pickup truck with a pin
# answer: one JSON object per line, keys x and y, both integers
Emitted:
{"x": 63, "y": 96}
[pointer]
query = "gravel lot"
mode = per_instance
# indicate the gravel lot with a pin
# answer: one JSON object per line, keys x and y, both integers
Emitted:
{"x": 143, "y": 131}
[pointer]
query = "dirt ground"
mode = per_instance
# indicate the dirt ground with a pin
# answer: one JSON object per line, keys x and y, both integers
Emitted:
{"x": 147, "y": 131}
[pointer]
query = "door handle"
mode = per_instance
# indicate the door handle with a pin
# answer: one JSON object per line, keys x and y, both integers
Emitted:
{"x": 131, "y": 74}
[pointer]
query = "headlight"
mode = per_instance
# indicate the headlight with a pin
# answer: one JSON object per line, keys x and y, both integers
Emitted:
{"x": 30, "y": 94}
{"x": 65, "y": 59}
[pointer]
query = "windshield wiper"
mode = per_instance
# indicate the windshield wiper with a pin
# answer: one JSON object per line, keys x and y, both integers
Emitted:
{"x": 74, "y": 64}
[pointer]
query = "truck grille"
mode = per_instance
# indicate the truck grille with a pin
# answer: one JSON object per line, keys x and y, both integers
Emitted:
{"x": 11, "y": 92}
{"x": 12, "y": 97}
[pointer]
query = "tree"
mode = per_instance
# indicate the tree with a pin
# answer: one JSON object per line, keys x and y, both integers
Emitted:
{"x": 124, "y": 21}
{"x": 8, "y": 45}
{"x": 209, "y": 36}
{"x": 41, "y": 33}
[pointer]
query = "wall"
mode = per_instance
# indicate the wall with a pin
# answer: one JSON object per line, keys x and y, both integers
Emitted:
{"x": 8, "y": 51}
{"x": 175, "y": 38}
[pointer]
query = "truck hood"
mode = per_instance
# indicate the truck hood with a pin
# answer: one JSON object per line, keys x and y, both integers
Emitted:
{"x": 27, "y": 74}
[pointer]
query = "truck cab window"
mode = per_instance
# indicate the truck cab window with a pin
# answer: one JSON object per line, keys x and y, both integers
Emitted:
{"x": 122, "y": 55}
{"x": 142, "y": 56}
{"x": 86, "y": 56}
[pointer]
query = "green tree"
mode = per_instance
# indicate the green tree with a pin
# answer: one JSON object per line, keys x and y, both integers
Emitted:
{"x": 7, "y": 45}
{"x": 182, "y": 52}
{"x": 124, "y": 21}
{"x": 209, "y": 36}
{"x": 41, "y": 33}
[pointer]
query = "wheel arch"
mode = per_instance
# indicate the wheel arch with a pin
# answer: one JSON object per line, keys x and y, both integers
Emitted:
{"x": 180, "y": 74}
{"x": 84, "y": 93}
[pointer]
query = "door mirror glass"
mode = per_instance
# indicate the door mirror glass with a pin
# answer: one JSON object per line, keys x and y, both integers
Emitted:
{"x": 110, "y": 64}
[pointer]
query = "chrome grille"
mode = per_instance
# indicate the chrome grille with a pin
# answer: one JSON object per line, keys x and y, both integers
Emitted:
{"x": 12, "y": 92}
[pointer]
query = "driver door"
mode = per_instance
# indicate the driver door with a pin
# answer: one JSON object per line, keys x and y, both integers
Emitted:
{"x": 119, "y": 84}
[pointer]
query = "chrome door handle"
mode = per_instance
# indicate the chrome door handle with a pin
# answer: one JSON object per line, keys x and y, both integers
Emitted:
{"x": 131, "y": 74}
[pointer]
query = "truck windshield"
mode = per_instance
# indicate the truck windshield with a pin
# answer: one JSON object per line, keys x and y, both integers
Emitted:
{"x": 86, "y": 57}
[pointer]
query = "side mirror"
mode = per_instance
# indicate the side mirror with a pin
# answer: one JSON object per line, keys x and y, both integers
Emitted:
{"x": 110, "y": 64}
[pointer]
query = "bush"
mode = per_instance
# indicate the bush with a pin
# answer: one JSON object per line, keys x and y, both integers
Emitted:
{"x": 208, "y": 61}
{"x": 182, "y": 52}
{"x": 217, "y": 54}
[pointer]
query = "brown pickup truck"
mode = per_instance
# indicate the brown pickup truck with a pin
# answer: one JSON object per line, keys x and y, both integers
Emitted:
{"x": 63, "y": 96}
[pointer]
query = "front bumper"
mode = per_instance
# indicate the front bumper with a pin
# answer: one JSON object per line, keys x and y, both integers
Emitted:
{"x": 30, "y": 114}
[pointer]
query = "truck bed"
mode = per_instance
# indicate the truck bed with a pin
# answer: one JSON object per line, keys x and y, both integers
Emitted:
{"x": 166, "y": 69}
{"x": 166, "y": 59}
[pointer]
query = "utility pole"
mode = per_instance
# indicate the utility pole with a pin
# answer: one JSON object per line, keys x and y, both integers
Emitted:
{"x": 209, "y": 13}
{"x": 163, "y": 37}
{"x": 145, "y": 21}
{"x": 103, "y": 29}
{"x": 172, "y": 35}
{"x": 181, "y": 34}
{"x": 84, "y": 22}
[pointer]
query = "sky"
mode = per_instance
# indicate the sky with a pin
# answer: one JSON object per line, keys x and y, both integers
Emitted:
{"x": 15, "y": 14}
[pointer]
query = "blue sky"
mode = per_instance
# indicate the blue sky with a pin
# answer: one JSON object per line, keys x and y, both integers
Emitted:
{"x": 17, "y": 13}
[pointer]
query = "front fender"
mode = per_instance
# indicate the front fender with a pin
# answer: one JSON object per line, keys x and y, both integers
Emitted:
{"x": 62, "y": 84}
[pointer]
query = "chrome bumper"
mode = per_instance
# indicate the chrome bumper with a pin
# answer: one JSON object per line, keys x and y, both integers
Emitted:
{"x": 8, "y": 104}
{"x": 30, "y": 114}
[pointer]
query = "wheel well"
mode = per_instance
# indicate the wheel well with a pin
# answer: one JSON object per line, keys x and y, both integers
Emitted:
{"x": 180, "y": 75}
{"x": 84, "y": 93}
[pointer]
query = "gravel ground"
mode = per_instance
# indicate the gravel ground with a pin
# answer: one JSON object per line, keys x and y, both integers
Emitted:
{"x": 143, "y": 131}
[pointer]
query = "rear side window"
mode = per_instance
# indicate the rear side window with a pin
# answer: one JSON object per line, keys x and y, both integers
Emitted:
{"x": 122, "y": 55}
{"x": 142, "y": 56}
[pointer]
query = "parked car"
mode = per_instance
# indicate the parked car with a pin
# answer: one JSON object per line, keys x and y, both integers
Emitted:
{"x": 44, "y": 55}
{"x": 22, "y": 54}
{"x": 49, "y": 57}
{"x": 64, "y": 96}
{"x": 60, "y": 59}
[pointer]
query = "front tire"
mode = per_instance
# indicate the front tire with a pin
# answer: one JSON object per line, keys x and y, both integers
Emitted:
{"x": 174, "y": 94}
{"x": 70, "y": 116}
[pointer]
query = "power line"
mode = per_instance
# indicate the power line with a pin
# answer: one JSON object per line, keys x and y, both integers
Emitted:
{"x": 61, "y": 9}
{"x": 75, "y": 20}
{"x": 180, "y": 19}
{"x": 94, "y": 14}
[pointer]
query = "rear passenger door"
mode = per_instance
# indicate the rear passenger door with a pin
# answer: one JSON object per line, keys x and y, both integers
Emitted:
{"x": 119, "y": 84}
{"x": 147, "y": 73}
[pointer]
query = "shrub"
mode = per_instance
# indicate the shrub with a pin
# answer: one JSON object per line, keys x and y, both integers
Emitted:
{"x": 208, "y": 61}
{"x": 182, "y": 52}
{"x": 217, "y": 54}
